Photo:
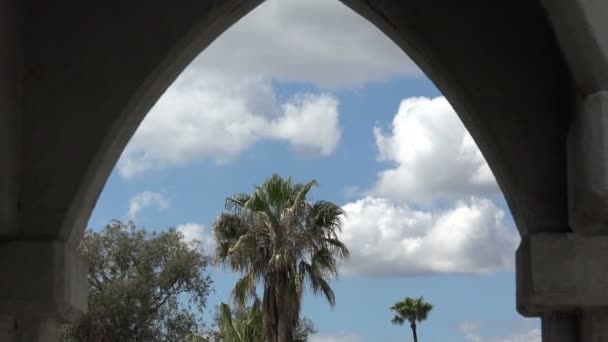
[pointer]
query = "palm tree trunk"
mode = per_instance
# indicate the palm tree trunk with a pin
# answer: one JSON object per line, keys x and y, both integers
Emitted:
{"x": 285, "y": 307}
{"x": 413, "y": 326}
{"x": 285, "y": 331}
{"x": 270, "y": 314}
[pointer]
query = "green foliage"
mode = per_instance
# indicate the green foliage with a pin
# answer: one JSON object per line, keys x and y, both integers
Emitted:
{"x": 246, "y": 324}
{"x": 241, "y": 326}
{"x": 411, "y": 310}
{"x": 303, "y": 330}
{"x": 278, "y": 238}
{"x": 142, "y": 287}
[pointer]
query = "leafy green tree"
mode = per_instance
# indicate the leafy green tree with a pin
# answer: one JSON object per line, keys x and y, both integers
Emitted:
{"x": 411, "y": 310}
{"x": 278, "y": 238}
{"x": 304, "y": 329}
{"x": 142, "y": 287}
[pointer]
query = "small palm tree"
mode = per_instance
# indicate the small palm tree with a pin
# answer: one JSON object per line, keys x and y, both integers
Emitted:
{"x": 241, "y": 328}
{"x": 278, "y": 238}
{"x": 411, "y": 310}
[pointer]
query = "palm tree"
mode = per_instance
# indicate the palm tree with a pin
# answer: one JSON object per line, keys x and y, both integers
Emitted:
{"x": 411, "y": 310}
{"x": 241, "y": 328}
{"x": 278, "y": 238}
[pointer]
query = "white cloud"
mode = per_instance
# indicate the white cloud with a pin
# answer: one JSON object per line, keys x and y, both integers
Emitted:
{"x": 224, "y": 102}
{"x": 434, "y": 156}
{"x": 196, "y": 233}
{"x": 199, "y": 120}
{"x": 144, "y": 200}
{"x": 470, "y": 330}
{"x": 309, "y": 123}
{"x": 317, "y": 41}
{"x": 336, "y": 337}
{"x": 389, "y": 239}
{"x": 192, "y": 231}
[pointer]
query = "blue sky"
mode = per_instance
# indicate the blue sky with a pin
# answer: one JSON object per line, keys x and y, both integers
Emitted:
{"x": 309, "y": 89}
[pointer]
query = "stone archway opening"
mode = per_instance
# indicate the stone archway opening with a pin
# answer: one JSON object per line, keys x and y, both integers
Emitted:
{"x": 80, "y": 81}
{"x": 208, "y": 98}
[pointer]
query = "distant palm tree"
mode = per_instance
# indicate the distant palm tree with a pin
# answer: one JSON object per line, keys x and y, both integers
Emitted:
{"x": 277, "y": 237}
{"x": 411, "y": 310}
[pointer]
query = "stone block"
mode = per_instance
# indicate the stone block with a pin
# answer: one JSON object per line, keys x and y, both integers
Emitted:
{"x": 42, "y": 278}
{"x": 561, "y": 272}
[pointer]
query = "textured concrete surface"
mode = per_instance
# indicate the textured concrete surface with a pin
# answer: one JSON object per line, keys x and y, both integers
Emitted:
{"x": 587, "y": 150}
{"x": 561, "y": 272}
{"x": 48, "y": 278}
{"x": 11, "y": 91}
{"x": 581, "y": 29}
{"x": 560, "y": 327}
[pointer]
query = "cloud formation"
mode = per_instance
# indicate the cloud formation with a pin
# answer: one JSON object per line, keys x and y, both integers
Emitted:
{"x": 199, "y": 120}
{"x": 225, "y": 102}
{"x": 196, "y": 233}
{"x": 433, "y": 156}
{"x": 336, "y": 337}
{"x": 317, "y": 41}
{"x": 389, "y": 239}
{"x": 470, "y": 331}
{"x": 144, "y": 200}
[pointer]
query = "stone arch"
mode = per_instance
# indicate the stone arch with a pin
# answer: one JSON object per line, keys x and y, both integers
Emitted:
{"x": 90, "y": 77}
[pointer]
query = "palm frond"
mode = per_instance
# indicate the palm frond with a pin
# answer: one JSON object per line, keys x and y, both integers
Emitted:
{"x": 302, "y": 191}
{"x": 244, "y": 289}
{"x": 397, "y": 320}
{"x": 227, "y": 328}
{"x": 237, "y": 202}
{"x": 276, "y": 236}
{"x": 324, "y": 263}
{"x": 327, "y": 291}
{"x": 327, "y": 215}
{"x": 338, "y": 247}
{"x": 412, "y": 309}
{"x": 317, "y": 283}
{"x": 245, "y": 242}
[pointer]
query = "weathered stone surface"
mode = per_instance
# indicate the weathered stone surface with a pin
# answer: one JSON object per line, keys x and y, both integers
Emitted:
{"x": 582, "y": 31}
{"x": 588, "y": 167}
{"x": 560, "y": 327}
{"x": 561, "y": 272}
{"x": 44, "y": 278}
{"x": 594, "y": 325}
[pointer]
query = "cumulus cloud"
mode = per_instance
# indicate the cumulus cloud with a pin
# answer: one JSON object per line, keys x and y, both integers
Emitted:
{"x": 198, "y": 120}
{"x": 470, "y": 331}
{"x": 196, "y": 233}
{"x": 389, "y": 239}
{"x": 433, "y": 155}
{"x": 225, "y": 100}
{"x": 309, "y": 123}
{"x": 317, "y": 41}
{"x": 336, "y": 337}
{"x": 144, "y": 200}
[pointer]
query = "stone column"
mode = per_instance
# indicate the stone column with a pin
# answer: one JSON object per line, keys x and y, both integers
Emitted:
{"x": 563, "y": 278}
{"x": 588, "y": 203}
{"x": 44, "y": 284}
{"x": 559, "y": 326}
